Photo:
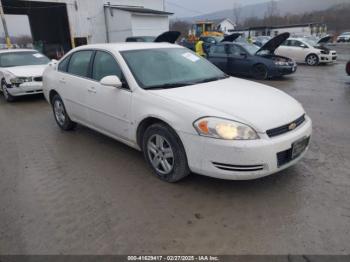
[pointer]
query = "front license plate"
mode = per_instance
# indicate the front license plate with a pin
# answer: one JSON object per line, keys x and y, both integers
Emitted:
{"x": 299, "y": 147}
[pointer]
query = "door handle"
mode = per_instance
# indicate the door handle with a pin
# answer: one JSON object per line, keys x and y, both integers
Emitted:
{"x": 92, "y": 90}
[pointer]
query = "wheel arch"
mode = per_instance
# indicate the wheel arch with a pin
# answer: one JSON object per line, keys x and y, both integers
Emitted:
{"x": 147, "y": 122}
{"x": 52, "y": 93}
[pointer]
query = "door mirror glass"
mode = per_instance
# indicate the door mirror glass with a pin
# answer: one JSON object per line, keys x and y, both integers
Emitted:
{"x": 112, "y": 81}
{"x": 303, "y": 46}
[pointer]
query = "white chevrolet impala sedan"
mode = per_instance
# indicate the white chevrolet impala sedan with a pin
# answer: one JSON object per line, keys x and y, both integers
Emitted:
{"x": 21, "y": 72}
{"x": 182, "y": 112}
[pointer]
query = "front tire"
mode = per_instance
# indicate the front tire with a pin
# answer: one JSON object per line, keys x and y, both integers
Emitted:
{"x": 8, "y": 97}
{"x": 312, "y": 60}
{"x": 165, "y": 154}
{"x": 260, "y": 72}
{"x": 61, "y": 115}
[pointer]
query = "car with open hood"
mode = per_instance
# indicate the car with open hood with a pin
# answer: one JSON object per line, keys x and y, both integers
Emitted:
{"x": 180, "y": 110}
{"x": 21, "y": 72}
{"x": 307, "y": 50}
{"x": 241, "y": 58}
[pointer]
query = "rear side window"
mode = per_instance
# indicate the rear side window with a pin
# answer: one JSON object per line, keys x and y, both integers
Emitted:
{"x": 79, "y": 63}
{"x": 63, "y": 66}
{"x": 105, "y": 65}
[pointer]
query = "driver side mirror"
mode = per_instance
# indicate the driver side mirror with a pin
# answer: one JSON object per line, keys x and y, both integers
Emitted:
{"x": 303, "y": 46}
{"x": 111, "y": 81}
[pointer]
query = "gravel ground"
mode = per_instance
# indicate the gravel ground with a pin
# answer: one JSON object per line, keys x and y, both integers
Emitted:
{"x": 83, "y": 193}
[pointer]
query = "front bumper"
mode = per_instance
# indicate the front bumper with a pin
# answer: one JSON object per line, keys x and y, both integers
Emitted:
{"x": 28, "y": 88}
{"x": 286, "y": 70}
{"x": 251, "y": 159}
{"x": 330, "y": 58}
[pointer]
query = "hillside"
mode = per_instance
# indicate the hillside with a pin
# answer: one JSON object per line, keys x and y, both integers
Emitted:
{"x": 284, "y": 7}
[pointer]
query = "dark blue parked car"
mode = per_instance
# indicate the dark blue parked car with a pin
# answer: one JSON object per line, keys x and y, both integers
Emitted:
{"x": 242, "y": 58}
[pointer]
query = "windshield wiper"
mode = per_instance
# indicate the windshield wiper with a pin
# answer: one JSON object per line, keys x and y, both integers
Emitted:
{"x": 165, "y": 86}
{"x": 211, "y": 79}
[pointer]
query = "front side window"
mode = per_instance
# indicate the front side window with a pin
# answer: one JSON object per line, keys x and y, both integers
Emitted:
{"x": 170, "y": 68}
{"x": 63, "y": 65}
{"x": 105, "y": 65}
{"x": 22, "y": 59}
{"x": 219, "y": 49}
{"x": 79, "y": 63}
{"x": 235, "y": 50}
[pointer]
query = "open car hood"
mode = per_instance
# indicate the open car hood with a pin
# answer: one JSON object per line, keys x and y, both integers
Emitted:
{"x": 168, "y": 37}
{"x": 325, "y": 39}
{"x": 274, "y": 43}
{"x": 231, "y": 38}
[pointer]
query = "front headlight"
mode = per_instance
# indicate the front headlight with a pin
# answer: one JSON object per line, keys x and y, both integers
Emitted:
{"x": 224, "y": 129}
{"x": 20, "y": 80}
{"x": 324, "y": 52}
{"x": 281, "y": 63}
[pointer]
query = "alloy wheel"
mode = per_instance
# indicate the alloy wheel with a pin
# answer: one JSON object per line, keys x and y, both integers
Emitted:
{"x": 60, "y": 113}
{"x": 260, "y": 72}
{"x": 160, "y": 154}
{"x": 312, "y": 60}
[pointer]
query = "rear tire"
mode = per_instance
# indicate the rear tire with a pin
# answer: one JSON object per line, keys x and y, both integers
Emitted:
{"x": 61, "y": 115}
{"x": 8, "y": 97}
{"x": 260, "y": 72}
{"x": 164, "y": 153}
{"x": 312, "y": 60}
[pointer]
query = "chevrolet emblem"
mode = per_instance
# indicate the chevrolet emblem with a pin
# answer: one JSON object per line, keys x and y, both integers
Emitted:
{"x": 292, "y": 126}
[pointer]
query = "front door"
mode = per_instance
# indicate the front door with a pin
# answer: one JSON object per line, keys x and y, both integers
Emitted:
{"x": 239, "y": 61}
{"x": 218, "y": 56}
{"x": 109, "y": 107}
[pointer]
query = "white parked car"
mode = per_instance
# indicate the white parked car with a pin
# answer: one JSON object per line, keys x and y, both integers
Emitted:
{"x": 21, "y": 72}
{"x": 344, "y": 37}
{"x": 306, "y": 50}
{"x": 179, "y": 109}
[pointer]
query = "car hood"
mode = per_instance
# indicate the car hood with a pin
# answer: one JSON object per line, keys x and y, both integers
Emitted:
{"x": 274, "y": 43}
{"x": 262, "y": 107}
{"x": 325, "y": 39}
{"x": 231, "y": 38}
{"x": 168, "y": 37}
{"x": 27, "y": 71}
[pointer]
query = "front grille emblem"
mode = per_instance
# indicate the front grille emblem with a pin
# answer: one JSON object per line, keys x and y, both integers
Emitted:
{"x": 292, "y": 126}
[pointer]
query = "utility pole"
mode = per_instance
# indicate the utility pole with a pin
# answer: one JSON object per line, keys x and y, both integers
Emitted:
{"x": 7, "y": 36}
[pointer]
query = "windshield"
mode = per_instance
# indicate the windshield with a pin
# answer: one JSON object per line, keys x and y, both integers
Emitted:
{"x": 22, "y": 59}
{"x": 170, "y": 68}
{"x": 251, "y": 49}
{"x": 310, "y": 41}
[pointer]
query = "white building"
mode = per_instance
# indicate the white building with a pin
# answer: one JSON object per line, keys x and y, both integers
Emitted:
{"x": 68, "y": 23}
{"x": 225, "y": 25}
{"x": 308, "y": 29}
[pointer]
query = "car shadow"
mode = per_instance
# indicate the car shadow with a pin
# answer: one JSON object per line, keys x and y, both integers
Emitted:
{"x": 193, "y": 181}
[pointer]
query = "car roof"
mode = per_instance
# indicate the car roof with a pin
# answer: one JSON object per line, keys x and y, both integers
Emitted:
{"x": 128, "y": 46}
{"x": 2, "y": 51}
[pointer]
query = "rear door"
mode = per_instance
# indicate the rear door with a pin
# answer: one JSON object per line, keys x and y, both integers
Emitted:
{"x": 73, "y": 85}
{"x": 109, "y": 107}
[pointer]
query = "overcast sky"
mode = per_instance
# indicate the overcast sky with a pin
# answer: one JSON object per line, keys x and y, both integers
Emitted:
{"x": 185, "y": 8}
